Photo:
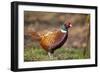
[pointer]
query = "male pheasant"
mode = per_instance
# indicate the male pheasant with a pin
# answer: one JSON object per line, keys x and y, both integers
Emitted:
{"x": 52, "y": 40}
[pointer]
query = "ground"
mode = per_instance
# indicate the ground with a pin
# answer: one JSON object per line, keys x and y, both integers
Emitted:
{"x": 38, "y": 54}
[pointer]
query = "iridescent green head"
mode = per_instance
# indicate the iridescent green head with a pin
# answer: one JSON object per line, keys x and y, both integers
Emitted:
{"x": 66, "y": 26}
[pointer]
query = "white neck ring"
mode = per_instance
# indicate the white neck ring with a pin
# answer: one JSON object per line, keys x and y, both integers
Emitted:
{"x": 63, "y": 31}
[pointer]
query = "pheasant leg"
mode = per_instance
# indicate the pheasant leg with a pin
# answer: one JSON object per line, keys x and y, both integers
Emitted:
{"x": 50, "y": 56}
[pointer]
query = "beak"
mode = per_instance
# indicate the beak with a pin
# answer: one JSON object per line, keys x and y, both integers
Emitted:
{"x": 70, "y": 25}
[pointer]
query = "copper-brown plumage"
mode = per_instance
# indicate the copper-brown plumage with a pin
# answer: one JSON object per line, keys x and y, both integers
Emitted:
{"x": 51, "y": 40}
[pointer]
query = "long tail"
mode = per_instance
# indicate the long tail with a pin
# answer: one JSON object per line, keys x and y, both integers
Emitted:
{"x": 33, "y": 35}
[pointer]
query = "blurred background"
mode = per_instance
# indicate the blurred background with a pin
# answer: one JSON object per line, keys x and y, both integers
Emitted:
{"x": 78, "y": 38}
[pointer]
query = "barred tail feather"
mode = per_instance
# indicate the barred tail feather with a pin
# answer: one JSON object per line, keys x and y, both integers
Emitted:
{"x": 33, "y": 35}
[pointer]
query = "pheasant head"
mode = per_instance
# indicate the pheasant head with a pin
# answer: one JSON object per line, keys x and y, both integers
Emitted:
{"x": 68, "y": 25}
{"x": 65, "y": 27}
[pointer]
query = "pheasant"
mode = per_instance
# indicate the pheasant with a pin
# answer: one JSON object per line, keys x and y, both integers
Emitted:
{"x": 52, "y": 40}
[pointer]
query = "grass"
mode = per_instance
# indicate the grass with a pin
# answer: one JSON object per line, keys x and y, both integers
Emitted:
{"x": 38, "y": 54}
